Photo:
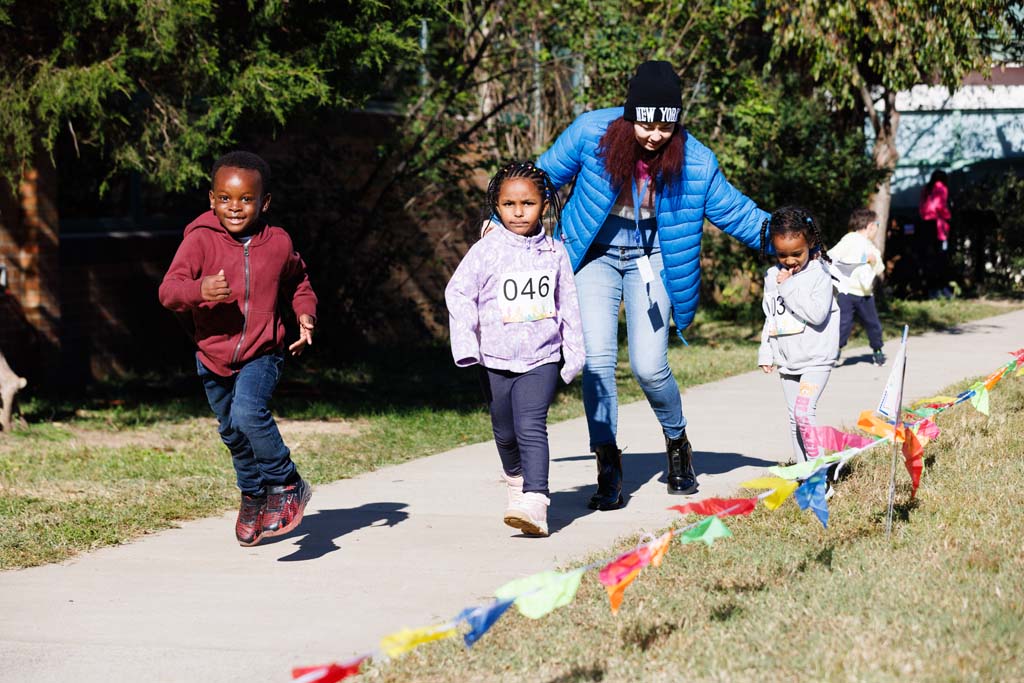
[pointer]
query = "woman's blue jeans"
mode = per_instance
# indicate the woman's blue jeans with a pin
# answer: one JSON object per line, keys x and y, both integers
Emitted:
{"x": 608, "y": 277}
{"x": 246, "y": 426}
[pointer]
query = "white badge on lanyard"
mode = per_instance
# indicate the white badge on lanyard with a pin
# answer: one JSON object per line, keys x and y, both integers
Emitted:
{"x": 643, "y": 264}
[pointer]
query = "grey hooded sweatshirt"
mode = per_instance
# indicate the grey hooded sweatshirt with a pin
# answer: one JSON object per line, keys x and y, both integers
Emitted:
{"x": 801, "y": 327}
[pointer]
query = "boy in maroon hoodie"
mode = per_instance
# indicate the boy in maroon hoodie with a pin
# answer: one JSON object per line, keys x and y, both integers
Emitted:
{"x": 235, "y": 274}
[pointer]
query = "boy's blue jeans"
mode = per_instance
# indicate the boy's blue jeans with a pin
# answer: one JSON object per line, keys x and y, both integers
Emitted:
{"x": 608, "y": 277}
{"x": 246, "y": 426}
{"x": 862, "y": 307}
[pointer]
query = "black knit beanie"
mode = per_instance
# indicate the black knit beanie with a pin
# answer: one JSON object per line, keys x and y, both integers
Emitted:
{"x": 655, "y": 94}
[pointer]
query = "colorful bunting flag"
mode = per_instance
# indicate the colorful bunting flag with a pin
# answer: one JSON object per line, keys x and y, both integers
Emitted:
{"x": 995, "y": 377}
{"x": 923, "y": 412}
{"x": 617, "y": 590}
{"x": 832, "y": 439}
{"x": 614, "y": 572}
{"x": 782, "y": 491}
{"x": 927, "y": 431}
{"x": 980, "y": 398}
{"x": 964, "y": 396}
{"x": 913, "y": 458}
{"x": 934, "y": 401}
{"x": 707, "y": 531}
{"x": 408, "y": 639}
{"x": 327, "y": 673}
{"x": 812, "y": 494}
{"x": 872, "y": 424}
{"x": 659, "y": 547}
{"x": 480, "y": 619}
{"x": 540, "y": 594}
{"x": 723, "y": 507}
{"x": 804, "y": 469}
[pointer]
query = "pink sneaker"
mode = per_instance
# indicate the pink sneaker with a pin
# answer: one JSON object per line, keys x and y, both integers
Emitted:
{"x": 515, "y": 490}
{"x": 531, "y": 515}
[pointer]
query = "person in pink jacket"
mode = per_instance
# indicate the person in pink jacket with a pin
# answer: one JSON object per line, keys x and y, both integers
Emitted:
{"x": 934, "y": 210}
{"x": 934, "y": 206}
{"x": 513, "y": 310}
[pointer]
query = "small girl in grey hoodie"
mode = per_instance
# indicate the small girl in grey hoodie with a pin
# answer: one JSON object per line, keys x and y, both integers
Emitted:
{"x": 801, "y": 327}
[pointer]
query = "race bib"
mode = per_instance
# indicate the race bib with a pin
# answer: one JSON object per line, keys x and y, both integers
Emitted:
{"x": 526, "y": 295}
{"x": 784, "y": 323}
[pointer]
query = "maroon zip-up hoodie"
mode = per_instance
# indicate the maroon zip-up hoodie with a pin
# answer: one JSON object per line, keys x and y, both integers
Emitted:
{"x": 263, "y": 275}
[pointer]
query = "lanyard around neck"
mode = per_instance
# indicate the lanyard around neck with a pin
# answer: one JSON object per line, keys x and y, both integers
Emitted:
{"x": 638, "y": 196}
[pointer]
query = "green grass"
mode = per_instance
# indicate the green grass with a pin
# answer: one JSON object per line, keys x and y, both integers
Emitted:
{"x": 787, "y": 600}
{"x": 141, "y": 455}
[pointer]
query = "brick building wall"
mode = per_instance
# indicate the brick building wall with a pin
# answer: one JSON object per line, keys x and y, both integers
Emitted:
{"x": 30, "y": 308}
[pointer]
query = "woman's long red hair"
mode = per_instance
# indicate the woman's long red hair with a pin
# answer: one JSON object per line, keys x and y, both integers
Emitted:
{"x": 619, "y": 151}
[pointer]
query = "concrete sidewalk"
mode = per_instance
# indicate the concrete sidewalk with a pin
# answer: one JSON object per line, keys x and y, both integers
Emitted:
{"x": 412, "y": 544}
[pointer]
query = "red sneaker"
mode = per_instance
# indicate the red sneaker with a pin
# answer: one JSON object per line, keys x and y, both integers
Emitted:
{"x": 249, "y": 525}
{"x": 285, "y": 505}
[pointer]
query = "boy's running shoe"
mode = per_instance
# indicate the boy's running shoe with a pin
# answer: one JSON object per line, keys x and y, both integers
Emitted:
{"x": 531, "y": 515}
{"x": 285, "y": 505}
{"x": 878, "y": 358}
{"x": 249, "y": 525}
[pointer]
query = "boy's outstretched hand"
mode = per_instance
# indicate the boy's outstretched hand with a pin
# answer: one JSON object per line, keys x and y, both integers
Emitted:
{"x": 306, "y": 325}
{"x": 215, "y": 287}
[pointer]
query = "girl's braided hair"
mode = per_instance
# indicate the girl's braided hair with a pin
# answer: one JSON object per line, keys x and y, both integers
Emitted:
{"x": 527, "y": 170}
{"x": 790, "y": 220}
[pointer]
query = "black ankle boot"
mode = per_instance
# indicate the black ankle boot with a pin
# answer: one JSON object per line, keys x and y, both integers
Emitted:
{"x": 682, "y": 480}
{"x": 609, "y": 479}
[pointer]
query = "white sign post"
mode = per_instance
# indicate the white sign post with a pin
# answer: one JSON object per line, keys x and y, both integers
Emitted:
{"x": 890, "y": 406}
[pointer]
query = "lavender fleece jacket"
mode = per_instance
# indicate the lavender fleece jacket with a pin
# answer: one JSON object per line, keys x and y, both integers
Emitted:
{"x": 496, "y": 266}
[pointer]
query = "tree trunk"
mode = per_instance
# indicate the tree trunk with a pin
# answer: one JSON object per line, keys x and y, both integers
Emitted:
{"x": 885, "y": 156}
{"x": 10, "y": 384}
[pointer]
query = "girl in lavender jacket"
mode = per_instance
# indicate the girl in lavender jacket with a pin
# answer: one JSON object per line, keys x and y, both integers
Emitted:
{"x": 513, "y": 310}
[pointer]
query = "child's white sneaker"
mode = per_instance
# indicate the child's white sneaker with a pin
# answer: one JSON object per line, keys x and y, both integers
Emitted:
{"x": 531, "y": 515}
{"x": 514, "y": 486}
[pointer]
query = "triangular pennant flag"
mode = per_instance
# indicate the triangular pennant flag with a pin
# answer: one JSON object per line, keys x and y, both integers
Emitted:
{"x": 812, "y": 494}
{"x": 980, "y": 398}
{"x": 723, "y": 507}
{"x": 804, "y": 469}
{"x": 408, "y": 639}
{"x": 480, "y": 619}
{"x": 327, "y": 673}
{"x": 616, "y": 591}
{"x": 540, "y": 594}
{"x": 617, "y": 569}
{"x": 659, "y": 547}
{"x": 994, "y": 378}
{"x": 872, "y": 424}
{"x": 831, "y": 439}
{"x": 913, "y": 458}
{"x": 926, "y": 431}
{"x": 707, "y": 532}
{"x": 935, "y": 401}
{"x": 782, "y": 491}
{"x": 923, "y": 412}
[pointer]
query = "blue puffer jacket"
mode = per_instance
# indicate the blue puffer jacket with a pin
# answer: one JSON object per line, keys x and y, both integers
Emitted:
{"x": 681, "y": 207}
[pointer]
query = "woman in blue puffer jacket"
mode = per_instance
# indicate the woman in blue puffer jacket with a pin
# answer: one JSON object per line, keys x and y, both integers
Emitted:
{"x": 632, "y": 228}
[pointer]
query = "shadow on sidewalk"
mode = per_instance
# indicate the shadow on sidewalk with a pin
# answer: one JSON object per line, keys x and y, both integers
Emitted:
{"x": 638, "y": 469}
{"x": 318, "y": 530}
